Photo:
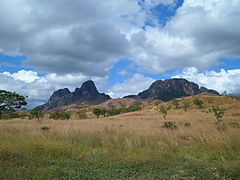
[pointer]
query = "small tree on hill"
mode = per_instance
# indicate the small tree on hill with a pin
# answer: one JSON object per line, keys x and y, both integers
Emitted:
{"x": 186, "y": 105}
{"x": 97, "y": 112}
{"x": 198, "y": 102}
{"x": 218, "y": 112}
{"x": 164, "y": 110}
{"x": 176, "y": 103}
{"x": 10, "y": 101}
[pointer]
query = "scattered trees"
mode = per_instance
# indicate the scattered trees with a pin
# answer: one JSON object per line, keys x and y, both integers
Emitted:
{"x": 97, "y": 111}
{"x": 10, "y": 101}
{"x": 60, "y": 115}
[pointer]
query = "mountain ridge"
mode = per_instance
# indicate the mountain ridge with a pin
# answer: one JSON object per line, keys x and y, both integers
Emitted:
{"x": 88, "y": 94}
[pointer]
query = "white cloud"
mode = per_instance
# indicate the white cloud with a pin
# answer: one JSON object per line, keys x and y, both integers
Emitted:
{"x": 225, "y": 80}
{"x": 198, "y": 35}
{"x": 131, "y": 86}
{"x": 39, "y": 88}
{"x": 26, "y": 76}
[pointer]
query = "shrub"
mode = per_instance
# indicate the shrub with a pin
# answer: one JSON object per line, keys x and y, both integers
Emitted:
{"x": 187, "y": 124}
{"x": 218, "y": 112}
{"x": 164, "y": 110}
{"x": 134, "y": 108}
{"x": 81, "y": 114}
{"x": 10, "y": 115}
{"x": 60, "y": 115}
{"x": 176, "y": 103}
{"x": 169, "y": 125}
{"x": 234, "y": 125}
{"x": 198, "y": 102}
{"x": 186, "y": 105}
{"x": 97, "y": 112}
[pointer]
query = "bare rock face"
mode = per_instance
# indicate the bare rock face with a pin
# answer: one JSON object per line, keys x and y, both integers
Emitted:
{"x": 87, "y": 94}
{"x": 172, "y": 88}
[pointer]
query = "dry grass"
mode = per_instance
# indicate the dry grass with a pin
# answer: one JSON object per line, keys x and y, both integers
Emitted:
{"x": 136, "y": 137}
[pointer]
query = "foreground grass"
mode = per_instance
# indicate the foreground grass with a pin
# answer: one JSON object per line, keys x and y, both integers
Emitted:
{"x": 118, "y": 155}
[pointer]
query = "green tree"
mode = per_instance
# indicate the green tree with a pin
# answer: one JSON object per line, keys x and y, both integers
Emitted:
{"x": 198, "y": 102}
{"x": 186, "y": 105}
{"x": 176, "y": 103}
{"x": 37, "y": 114}
{"x": 164, "y": 110}
{"x": 10, "y": 101}
{"x": 97, "y": 112}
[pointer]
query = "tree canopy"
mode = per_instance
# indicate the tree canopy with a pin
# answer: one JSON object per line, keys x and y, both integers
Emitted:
{"x": 10, "y": 101}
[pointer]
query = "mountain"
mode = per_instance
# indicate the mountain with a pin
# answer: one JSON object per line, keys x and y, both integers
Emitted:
{"x": 87, "y": 94}
{"x": 171, "y": 88}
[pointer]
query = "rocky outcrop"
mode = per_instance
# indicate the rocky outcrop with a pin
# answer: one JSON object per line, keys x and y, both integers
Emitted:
{"x": 87, "y": 94}
{"x": 169, "y": 89}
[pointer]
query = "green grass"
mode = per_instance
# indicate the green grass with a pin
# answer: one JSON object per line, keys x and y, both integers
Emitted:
{"x": 115, "y": 155}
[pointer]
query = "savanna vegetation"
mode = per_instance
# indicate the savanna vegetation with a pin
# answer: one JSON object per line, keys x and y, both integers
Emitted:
{"x": 142, "y": 144}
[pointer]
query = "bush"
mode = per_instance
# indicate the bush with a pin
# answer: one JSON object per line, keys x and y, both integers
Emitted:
{"x": 176, "y": 102}
{"x": 60, "y": 115}
{"x": 133, "y": 108}
{"x": 198, "y": 102}
{"x": 113, "y": 112}
{"x": 218, "y": 112}
{"x": 11, "y": 115}
{"x": 82, "y": 114}
{"x": 169, "y": 125}
{"x": 187, "y": 124}
{"x": 97, "y": 112}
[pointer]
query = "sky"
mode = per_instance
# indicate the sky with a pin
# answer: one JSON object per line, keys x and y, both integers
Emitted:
{"x": 123, "y": 46}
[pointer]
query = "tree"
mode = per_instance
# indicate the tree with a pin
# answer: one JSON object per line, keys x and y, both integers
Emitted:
{"x": 10, "y": 101}
{"x": 176, "y": 102}
{"x": 186, "y": 105}
{"x": 37, "y": 114}
{"x": 97, "y": 112}
{"x": 198, "y": 102}
{"x": 164, "y": 110}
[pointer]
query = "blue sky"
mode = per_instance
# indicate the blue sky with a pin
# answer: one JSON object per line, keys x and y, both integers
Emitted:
{"x": 122, "y": 45}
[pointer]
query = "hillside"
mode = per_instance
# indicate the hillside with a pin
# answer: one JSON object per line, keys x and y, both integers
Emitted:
{"x": 133, "y": 145}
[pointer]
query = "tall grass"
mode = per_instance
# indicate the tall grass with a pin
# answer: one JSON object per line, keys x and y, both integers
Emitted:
{"x": 111, "y": 154}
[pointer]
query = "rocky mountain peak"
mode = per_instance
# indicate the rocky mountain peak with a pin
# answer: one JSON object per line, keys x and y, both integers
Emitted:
{"x": 87, "y": 94}
{"x": 169, "y": 89}
{"x": 59, "y": 94}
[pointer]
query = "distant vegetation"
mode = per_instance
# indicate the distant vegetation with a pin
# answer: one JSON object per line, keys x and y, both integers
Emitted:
{"x": 112, "y": 112}
{"x": 59, "y": 115}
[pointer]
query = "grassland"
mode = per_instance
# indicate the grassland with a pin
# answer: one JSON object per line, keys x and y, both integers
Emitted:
{"x": 127, "y": 146}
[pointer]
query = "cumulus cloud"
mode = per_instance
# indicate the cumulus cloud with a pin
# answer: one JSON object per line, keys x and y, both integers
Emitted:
{"x": 38, "y": 89}
{"x": 198, "y": 35}
{"x": 225, "y": 80}
{"x": 131, "y": 86}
